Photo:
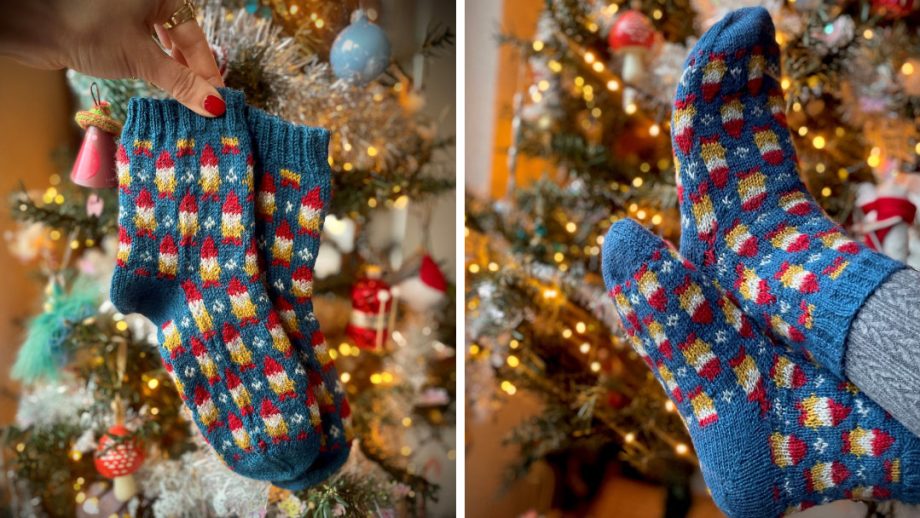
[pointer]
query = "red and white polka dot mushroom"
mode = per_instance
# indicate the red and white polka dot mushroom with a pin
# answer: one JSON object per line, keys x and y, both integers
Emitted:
{"x": 117, "y": 457}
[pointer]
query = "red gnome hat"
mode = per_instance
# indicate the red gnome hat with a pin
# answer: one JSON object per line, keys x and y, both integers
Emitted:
{"x": 426, "y": 290}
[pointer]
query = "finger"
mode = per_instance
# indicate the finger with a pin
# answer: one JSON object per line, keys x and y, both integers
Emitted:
{"x": 180, "y": 82}
{"x": 179, "y": 56}
{"x": 189, "y": 38}
{"x": 163, "y": 36}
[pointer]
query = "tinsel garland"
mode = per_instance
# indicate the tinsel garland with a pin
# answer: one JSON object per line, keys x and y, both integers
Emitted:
{"x": 199, "y": 484}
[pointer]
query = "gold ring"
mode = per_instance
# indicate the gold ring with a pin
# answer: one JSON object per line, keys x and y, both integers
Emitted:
{"x": 187, "y": 12}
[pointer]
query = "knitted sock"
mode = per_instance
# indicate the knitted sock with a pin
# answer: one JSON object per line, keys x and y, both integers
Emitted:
{"x": 186, "y": 218}
{"x": 293, "y": 178}
{"x": 748, "y": 221}
{"x": 773, "y": 434}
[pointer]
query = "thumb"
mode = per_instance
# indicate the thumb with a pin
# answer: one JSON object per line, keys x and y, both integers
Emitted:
{"x": 181, "y": 83}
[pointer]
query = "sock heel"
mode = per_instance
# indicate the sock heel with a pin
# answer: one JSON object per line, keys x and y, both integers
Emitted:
{"x": 156, "y": 299}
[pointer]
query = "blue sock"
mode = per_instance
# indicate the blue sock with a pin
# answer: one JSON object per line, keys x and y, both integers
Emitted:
{"x": 185, "y": 220}
{"x": 292, "y": 198}
{"x": 748, "y": 221}
{"x": 773, "y": 434}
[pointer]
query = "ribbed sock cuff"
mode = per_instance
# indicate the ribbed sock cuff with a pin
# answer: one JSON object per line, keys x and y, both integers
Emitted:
{"x": 276, "y": 137}
{"x": 908, "y": 491}
{"x": 148, "y": 117}
{"x": 846, "y": 295}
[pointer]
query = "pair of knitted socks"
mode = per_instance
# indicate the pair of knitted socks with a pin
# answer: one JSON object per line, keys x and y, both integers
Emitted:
{"x": 225, "y": 271}
{"x": 747, "y": 329}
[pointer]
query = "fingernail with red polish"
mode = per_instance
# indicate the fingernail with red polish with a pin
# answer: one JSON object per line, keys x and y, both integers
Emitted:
{"x": 215, "y": 105}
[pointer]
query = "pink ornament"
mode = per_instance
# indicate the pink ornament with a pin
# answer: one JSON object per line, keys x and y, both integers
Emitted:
{"x": 632, "y": 35}
{"x": 95, "y": 164}
{"x": 94, "y": 205}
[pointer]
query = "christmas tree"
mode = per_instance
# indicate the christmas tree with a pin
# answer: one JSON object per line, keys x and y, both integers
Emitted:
{"x": 97, "y": 403}
{"x": 592, "y": 117}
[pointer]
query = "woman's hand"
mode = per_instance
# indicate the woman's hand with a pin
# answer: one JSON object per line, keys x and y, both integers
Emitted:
{"x": 114, "y": 39}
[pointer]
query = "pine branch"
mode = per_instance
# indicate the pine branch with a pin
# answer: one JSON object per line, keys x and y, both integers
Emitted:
{"x": 438, "y": 39}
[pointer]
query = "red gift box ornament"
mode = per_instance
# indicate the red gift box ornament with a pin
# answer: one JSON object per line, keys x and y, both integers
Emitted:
{"x": 370, "y": 302}
{"x": 95, "y": 164}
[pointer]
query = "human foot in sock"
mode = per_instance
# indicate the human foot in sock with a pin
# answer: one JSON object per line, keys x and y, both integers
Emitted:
{"x": 293, "y": 179}
{"x": 748, "y": 221}
{"x": 774, "y": 434}
{"x": 186, "y": 216}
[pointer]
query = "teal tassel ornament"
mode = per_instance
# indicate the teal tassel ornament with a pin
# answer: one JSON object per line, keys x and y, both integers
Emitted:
{"x": 44, "y": 349}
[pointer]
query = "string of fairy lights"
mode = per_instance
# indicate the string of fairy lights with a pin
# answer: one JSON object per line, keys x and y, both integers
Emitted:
{"x": 595, "y": 340}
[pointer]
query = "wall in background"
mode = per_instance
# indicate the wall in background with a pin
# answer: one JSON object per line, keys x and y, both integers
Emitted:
{"x": 36, "y": 119}
{"x": 493, "y": 75}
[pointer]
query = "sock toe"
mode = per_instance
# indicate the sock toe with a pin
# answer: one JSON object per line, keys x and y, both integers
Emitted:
{"x": 742, "y": 28}
{"x": 627, "y": 245}
{"x": 281, "y": 464}
{"x": 317, "y": 472}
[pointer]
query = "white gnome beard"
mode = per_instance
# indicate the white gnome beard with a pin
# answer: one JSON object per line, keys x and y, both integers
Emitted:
{"x": 328, "y": 262}
{"x": 418, "y": 295}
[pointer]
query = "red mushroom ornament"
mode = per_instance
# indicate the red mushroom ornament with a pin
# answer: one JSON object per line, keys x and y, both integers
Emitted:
{"x": 119, "y": 460}
{"x": 632, "y": 35}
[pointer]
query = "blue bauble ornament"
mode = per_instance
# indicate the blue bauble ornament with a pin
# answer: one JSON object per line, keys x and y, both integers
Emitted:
{"x": 361, "y": 52}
